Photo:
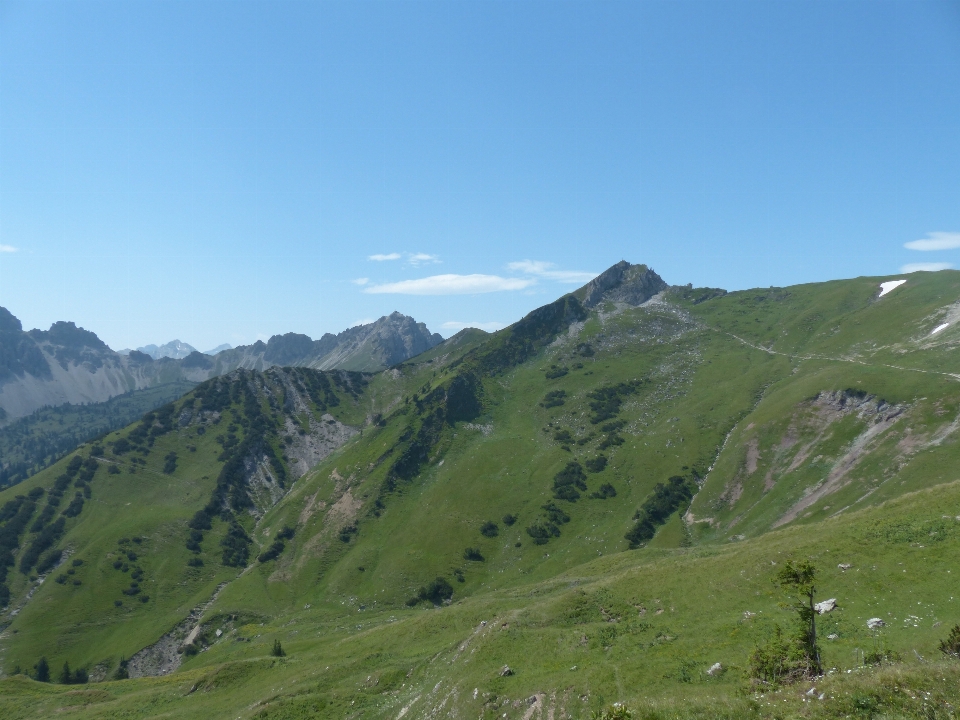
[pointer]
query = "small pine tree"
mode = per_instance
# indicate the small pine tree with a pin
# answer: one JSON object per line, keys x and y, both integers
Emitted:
{"x": 951, "y": 646}
{"x": 43, "y": 670}
{"x": 277, "y": 649}
{"x": 66, "y": 677}
{"x": 799, "y": 581}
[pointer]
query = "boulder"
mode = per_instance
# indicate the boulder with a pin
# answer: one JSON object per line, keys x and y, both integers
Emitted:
{"x": 826, "y": 606}
{"x": 844, "y": 566}
{"x": 506, "y": 671}
{"x": 874, "y": 623}
{"x": 715, "y": 669}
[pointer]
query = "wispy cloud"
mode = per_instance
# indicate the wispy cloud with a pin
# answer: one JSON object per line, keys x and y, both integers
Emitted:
{"x": 360, "y": 281}
{"x": 488, "y": 326}
{"x": 451, "y": 285}
{"x": 422, "y": 259}
{"x": 363, "y": 321}
{"x": 935, "y": 241}
{"x": 381, "y": 258}
{"x": 546, "y": 270}
{"x": 925, "y": 267}
{"x": 8, "y": 249}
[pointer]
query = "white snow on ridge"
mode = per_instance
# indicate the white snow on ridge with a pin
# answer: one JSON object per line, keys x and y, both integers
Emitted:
{"x": 938, "y": 328}
{"x": 890, "y": 286}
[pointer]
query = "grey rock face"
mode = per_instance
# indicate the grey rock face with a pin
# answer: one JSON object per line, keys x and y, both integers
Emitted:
{"x": 623, "y": 282}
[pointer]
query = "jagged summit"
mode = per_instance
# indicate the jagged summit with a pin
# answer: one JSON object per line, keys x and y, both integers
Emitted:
{"x": 390, "y": 340}
{"x": 623, "y": 282}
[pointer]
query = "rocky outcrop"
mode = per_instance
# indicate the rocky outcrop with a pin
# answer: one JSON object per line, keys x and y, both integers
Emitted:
{"x": 622, "y": 283}
{"x": 390, "y": 340}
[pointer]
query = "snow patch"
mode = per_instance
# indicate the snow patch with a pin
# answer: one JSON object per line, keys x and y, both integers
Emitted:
{"x": 938, "y": 328}
{"x": 890, "y": 286}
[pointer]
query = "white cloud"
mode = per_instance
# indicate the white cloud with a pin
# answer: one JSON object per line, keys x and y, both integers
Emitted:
{"x": 8, "y": 249}
{"x": 488, "y": 326}
{"x": 421, "y": 258}
{"x": 363, "y": 321}
{"x": 935, "y": 241}
{"x": 360, "y": 281}
{"x": 451, "y": 285}
{"x": 381, "y": 258}
{"x": 544, "y": 270}
{"x": 925, "y": 267}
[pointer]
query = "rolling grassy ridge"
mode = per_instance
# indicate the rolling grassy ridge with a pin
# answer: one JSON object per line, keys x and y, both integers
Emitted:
{"x": 808, "y": 422}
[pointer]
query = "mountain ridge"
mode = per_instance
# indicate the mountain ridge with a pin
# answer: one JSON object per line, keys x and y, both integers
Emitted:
{"x": 68, "y": 364}
{"x": 563, "y": 498}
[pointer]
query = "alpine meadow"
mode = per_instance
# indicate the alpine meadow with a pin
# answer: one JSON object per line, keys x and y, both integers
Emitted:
{"x": 638, "y": 500}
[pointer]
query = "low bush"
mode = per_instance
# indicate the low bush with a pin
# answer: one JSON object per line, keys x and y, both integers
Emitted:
{"x": 596, "y": 464}
{"x": 436, "y": 592}
{"x": 604, "y": 492}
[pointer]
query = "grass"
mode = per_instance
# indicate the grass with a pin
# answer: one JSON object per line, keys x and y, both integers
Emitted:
{"x": 580, "y": 619}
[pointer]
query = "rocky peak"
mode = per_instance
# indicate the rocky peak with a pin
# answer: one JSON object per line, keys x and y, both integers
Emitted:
{"x": 623, "y": 282}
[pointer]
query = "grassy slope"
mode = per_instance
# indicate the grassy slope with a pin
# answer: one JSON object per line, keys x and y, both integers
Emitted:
{"x": 640, "y": 627}
{"x": 80, "y": 622}
{"x": 704, "y": 382}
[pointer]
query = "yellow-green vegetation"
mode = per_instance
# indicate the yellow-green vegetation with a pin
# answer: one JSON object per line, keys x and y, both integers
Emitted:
{"x": 588, "y": 507}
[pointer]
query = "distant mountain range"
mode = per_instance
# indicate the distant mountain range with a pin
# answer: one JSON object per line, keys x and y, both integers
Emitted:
{"x": 68, "y": 364}
{"x": 174, "y": 349}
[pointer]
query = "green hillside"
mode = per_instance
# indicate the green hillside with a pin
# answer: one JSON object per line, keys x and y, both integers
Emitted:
{"x": 597, "y": 497}
{"x": 32, "y": 443}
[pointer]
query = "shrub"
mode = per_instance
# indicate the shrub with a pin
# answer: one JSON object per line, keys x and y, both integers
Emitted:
{"x": 566, "y": 482}
{"x": 509, "y": 520}
{"x": 272, "y": 552}
{"x": 113, "y": 470}
{"x": 347, "y": 532}
{"x": 277, "y": 650}
{"x": 596, "y": 464}
{"x": 170, "y": 463}
{"x": 436, "y": 592}
{"x": 121, "y": 673}
{"x": 489, "y": 529}
{"x": 286, "y": 533}
{"x": 43, "y": 670}
{"x": 606, "y": 491}
{"x": 200, "y": 521}
{"x": 665, "y": 500}
{"x": 554, "y": 398}
{"x": 606, "y": 401}
{"x": 236, "y": 546}
{"x": 556, "y": 371}
{"x": 195, "y": 562}
{"x": 48, "y": 561}
{"x": 472, "y": 554}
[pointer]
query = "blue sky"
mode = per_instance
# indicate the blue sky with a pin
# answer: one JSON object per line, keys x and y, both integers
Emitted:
{"x": 224, "y": 171}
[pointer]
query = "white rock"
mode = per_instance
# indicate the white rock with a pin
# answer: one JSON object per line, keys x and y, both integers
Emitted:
{"x": 715, "y": 669}
{"x": 812, "y": 691}
{"x": 832, "y": 636}
{"x": 219, "y": 633}
{"x": 844, "y": 566}
{"x": 826, "y": 606}
{"x": 874, "y": 623}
